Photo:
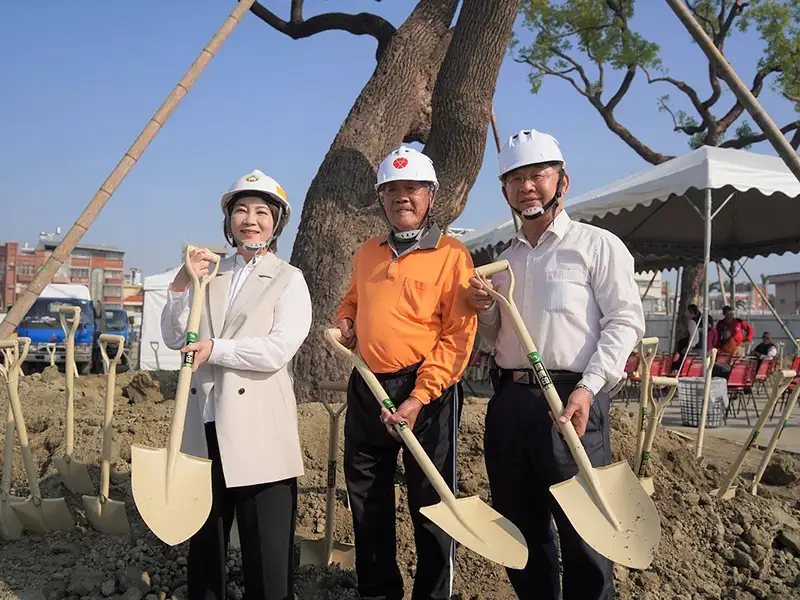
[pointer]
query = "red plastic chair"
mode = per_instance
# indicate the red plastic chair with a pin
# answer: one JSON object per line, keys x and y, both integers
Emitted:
{"x": 740, "y": 386}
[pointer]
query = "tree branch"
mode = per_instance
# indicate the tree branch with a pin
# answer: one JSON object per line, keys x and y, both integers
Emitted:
{"x": 754, "y": 139}
{"x": 577, "y": 67}
{"x": 560, "y": 74}
{"x": 708, "y": 121}
{"x": 623, "y": 88}
{"x": 737, "y": 109}
{"x": 357, "y": 24}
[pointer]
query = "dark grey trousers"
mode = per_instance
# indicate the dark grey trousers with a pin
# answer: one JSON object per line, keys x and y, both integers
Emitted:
{"x": 525, "y": 455}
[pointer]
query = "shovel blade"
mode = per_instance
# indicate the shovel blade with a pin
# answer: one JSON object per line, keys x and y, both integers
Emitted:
{"x": 173, "y": 510}
{"x": 106, "y": 515}
{"x": 10, "y": 526}
{"x": 482, "y": 529}
{"x": 74, "y": 474}
{"x": 313, "y": 552}
{"x": 647, "y": 484}
{"x": 51, "y": 515}
{"x": 729, "y": 493}
{"x": 634, "y": 543}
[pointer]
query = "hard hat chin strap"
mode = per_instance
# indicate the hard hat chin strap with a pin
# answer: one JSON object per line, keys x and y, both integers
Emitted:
{"x": 411, "y": 234}
{"x": 254, "y": 246}
{"x": 534, "y": 212}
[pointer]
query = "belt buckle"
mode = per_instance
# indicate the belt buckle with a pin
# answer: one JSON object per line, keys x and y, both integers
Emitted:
{"x": 521, "y": 377}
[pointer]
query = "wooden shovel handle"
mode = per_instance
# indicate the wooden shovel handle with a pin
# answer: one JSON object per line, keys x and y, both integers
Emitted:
{"x": 409, "y": 439}
{"x": 567, "y": 429}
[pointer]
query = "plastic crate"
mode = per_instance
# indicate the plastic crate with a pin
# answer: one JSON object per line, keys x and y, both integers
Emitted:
{"x": 690, "y": 396}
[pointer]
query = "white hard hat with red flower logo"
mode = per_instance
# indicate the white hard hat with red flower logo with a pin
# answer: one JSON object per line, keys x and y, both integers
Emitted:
{"x": 407, "y": 164}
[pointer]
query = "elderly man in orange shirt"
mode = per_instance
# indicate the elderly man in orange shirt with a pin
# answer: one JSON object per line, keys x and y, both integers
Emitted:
{"x": 408, "y": 315}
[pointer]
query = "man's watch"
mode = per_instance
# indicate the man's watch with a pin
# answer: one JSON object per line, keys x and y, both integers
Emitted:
{"x": 586, "y": 387}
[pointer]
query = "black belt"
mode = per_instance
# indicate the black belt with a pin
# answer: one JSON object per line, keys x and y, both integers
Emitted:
{"x": 527, "y": 377}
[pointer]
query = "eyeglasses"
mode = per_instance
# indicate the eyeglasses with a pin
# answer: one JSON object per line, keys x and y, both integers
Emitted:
{"x": 535, "y": 178}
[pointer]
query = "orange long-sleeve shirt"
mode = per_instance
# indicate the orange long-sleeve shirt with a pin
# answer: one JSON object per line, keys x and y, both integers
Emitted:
{"x": 413, "y": 308}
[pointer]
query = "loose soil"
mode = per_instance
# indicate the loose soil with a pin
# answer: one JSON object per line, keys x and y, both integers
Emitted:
{"x": 745, "y": 548}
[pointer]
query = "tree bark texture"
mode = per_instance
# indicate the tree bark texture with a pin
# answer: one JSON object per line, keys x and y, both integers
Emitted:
{"x": 432, "y": 84}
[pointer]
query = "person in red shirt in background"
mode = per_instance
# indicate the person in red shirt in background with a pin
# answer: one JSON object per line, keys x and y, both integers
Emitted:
{"x": 730, "y": 332}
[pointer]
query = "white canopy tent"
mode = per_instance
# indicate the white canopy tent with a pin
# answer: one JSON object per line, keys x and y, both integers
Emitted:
{"x": 755, "y": 198}
{"x": 155, "y": 298}
{"x": 668, "y": 215}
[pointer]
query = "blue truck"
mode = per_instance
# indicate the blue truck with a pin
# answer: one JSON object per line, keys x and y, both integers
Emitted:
{"x": 42, "y": 325}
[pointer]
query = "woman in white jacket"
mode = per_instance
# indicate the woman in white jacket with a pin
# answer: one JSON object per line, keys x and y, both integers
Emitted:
{"x": 242, "y": 411}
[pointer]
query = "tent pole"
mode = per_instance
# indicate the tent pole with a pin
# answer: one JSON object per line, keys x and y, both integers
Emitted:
{"x": 788, "y": 331}
{"x": 737, "y": 86}
{"x": 649, "y": 285}
{"x": 674, "y": 328}
{"x": 706, "y": 261}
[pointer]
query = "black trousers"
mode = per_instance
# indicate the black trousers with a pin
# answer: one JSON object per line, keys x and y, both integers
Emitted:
{"x": 370, "y": 461}
{"x": 266, "y": 519}
{"x": 525, "y": 455}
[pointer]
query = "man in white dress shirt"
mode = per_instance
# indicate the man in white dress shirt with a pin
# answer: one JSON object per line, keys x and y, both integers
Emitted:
{"x": 576, "y": 293}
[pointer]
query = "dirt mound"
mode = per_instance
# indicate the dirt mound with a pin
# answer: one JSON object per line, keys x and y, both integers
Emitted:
{"x": 745, "y": 548}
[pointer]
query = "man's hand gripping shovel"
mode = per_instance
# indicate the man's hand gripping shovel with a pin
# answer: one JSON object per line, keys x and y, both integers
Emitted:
{"x": 469, "y": 521}
{"x": 607, "y": 506}
{"x": 172, "y": 490}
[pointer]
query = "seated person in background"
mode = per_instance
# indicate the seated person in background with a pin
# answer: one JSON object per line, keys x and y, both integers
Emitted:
{"x": 766, "y": 349}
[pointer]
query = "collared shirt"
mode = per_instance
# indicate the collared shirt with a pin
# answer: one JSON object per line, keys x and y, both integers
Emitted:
{"x": 411, "y": 307}
{"x": 576, "y": 293}
{"x": 291, "y": 324}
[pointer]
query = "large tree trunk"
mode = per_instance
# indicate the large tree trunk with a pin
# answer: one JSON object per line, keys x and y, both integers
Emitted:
{"x": 399, "y": 103}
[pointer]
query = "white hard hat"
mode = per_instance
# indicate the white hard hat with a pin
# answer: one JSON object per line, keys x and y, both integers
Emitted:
{"x": 528, "y": 147}
{"x": 257, "y": 181}
{"x": 406, "y": 164}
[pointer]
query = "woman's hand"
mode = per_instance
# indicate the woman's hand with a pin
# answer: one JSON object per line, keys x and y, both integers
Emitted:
{"x": 199, "y": 261}
{"x": 202, "y": 352}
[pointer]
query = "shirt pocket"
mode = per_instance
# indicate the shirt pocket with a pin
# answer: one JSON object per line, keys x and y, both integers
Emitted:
{"x": 566, "y": 291}
{"x": 418, "y": 300}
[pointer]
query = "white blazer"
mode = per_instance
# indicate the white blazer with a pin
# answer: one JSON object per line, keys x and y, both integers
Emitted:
{"x": 255, "y": 410}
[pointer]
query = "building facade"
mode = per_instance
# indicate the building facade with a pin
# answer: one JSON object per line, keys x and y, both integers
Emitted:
{"x": 99, "y": 267}
{"x": 787, "y": 292}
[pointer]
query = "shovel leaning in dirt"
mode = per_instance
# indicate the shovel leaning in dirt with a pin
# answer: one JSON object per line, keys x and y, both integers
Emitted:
{"x": 469, "y": 521}
{"x": 647, "y": 352}
{"x": 328, "y": 550}
{"x": 607, "y": 506}
{"x": 657, "y": 406}
{"x": 781, "y": 380}
{"x": 787, "y": 412}
{"x": 74, "y": 473}
{"x": 701, "y": 424}
{"x": 51, "y": 351}
{"x": 10, "y": 526}
{"x": 172, "y": 490}
{"x": 107, "y": 515}
{"x": 36, "y": 514}
{"x": 154, "y": 347}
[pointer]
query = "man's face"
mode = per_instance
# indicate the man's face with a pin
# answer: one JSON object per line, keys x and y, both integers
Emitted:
{"x": 766, "y": 338}
{"x": 728, "y": 315}
{"x": 406, "y": 203}
{"x": 532, "y": 185}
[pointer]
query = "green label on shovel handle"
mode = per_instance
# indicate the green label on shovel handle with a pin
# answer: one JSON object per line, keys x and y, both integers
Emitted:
{"x": 388, "y": 405}
{"x": 541, "y": 373}
{"x": 188, "y": 358}
{"x": 331, "y": 473}
{"x": 784, "y": 424}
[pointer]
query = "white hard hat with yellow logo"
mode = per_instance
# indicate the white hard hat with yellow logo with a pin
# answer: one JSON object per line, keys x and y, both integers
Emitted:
{"x": 257, "y": 181}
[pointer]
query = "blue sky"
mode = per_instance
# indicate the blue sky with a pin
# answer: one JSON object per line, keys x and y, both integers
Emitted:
{"x": 81, "y": 79}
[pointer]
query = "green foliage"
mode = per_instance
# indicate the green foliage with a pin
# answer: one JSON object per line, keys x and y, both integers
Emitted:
{"x": 581, "y": 41}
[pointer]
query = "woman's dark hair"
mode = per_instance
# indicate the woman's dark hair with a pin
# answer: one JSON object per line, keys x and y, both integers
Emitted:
{"x": 273, "y": 208}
